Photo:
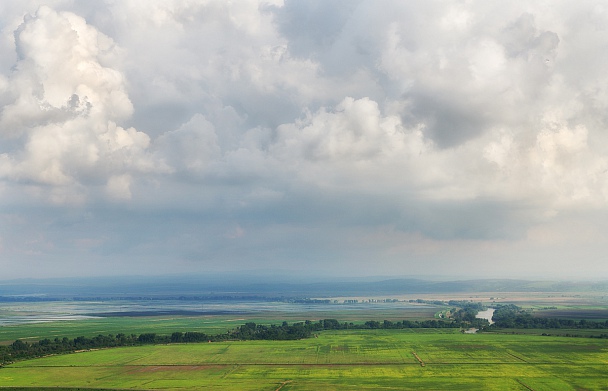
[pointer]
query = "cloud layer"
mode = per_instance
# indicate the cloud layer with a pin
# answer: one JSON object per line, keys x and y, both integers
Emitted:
{"x": 327, "y": 137}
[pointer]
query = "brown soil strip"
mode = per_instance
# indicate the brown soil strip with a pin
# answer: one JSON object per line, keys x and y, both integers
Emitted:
{"x": 524, "y": 384}
{"x": 283, "y": 385}
{"x": 419, "y": 359}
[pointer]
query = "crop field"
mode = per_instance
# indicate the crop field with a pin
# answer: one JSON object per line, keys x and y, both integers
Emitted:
{"x": 339, "y": 360}
{"x": 574, "y": 313}
{"x": 270, "y": 313}
{"x": 564, "y": 332}
{"x": 115, "y": 325}
{"x": 419, "y": 359}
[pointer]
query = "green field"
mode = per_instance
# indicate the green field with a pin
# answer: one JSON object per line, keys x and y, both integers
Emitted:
{"x": 213, "y": 324}
{"x": 115, "y": 325}
{"x": 416, "y": 359}
{"x": 340, "y": 360}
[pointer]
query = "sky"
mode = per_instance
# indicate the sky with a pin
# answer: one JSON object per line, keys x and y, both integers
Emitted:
{"x": 320, "y": 138}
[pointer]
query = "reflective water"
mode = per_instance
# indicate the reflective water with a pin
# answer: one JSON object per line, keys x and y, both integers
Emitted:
{"x": 487, "y": 314}
{"x": 23, "y": 313}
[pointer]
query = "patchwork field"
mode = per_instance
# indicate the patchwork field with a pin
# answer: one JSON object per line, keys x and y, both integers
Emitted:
{"x": 417, "y": 359}
{"x": 341, "y": 360}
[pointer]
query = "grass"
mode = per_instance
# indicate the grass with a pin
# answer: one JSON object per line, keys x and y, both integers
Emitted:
{"x": 126, "y": 325}
{"x": 587, "y": 333}
{"x": 50, "y": 388}
{"x": 341, "y": 360}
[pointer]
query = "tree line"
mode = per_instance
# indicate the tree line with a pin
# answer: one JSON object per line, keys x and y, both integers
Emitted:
{"x": 510, "y": 316}
{"x": 505, "y": 316}
{"x": 21, "y": 350}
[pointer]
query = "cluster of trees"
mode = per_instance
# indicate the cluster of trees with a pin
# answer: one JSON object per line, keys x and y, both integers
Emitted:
{"x": 511, "y": 316}
{"x": 466, "y": 311}
{"x": 427, "y": 324}
{"x": 20, "y": 350}
{"x": 250, "y": 331}
{"x": 462, "y": 310}
{"x": 334, "y": 324}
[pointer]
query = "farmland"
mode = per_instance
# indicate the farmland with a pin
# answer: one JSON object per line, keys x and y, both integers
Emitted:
{"x": 373, "y": 359}
{"x": 27, "y": 321}
{"x": 340, "y": 360}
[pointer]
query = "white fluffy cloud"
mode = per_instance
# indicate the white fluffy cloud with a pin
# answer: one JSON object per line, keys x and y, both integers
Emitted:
{"x": 398, "y": 131}
{"x": 62, "y": 104}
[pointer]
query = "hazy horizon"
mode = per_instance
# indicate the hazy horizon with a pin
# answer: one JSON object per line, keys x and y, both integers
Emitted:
{"x": 317, "y": 138}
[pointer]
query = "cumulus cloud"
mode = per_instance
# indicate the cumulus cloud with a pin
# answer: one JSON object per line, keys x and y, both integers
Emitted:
{"x": 63, "y": 105}
{"x": 361, "y": 129}
{"x": 191, "y": 147}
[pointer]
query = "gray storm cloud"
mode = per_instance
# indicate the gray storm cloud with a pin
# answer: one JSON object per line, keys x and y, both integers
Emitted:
{"x": 422, "y": 135}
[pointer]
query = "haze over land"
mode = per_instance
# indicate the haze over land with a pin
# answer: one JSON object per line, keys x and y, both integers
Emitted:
{"x": 318, "y": 138}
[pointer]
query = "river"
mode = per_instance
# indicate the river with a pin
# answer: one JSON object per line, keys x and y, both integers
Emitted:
{"x": 487, "y": 314}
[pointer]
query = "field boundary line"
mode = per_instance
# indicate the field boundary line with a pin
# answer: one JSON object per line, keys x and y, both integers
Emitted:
{"x": 517, "y": 357}
{"x": 231, "y": 370}
{"x": 419, "y": 359}
{"x": 524, "y": 384}
{"x": 329, "y": 364}
{"x": 283, "y": 384}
